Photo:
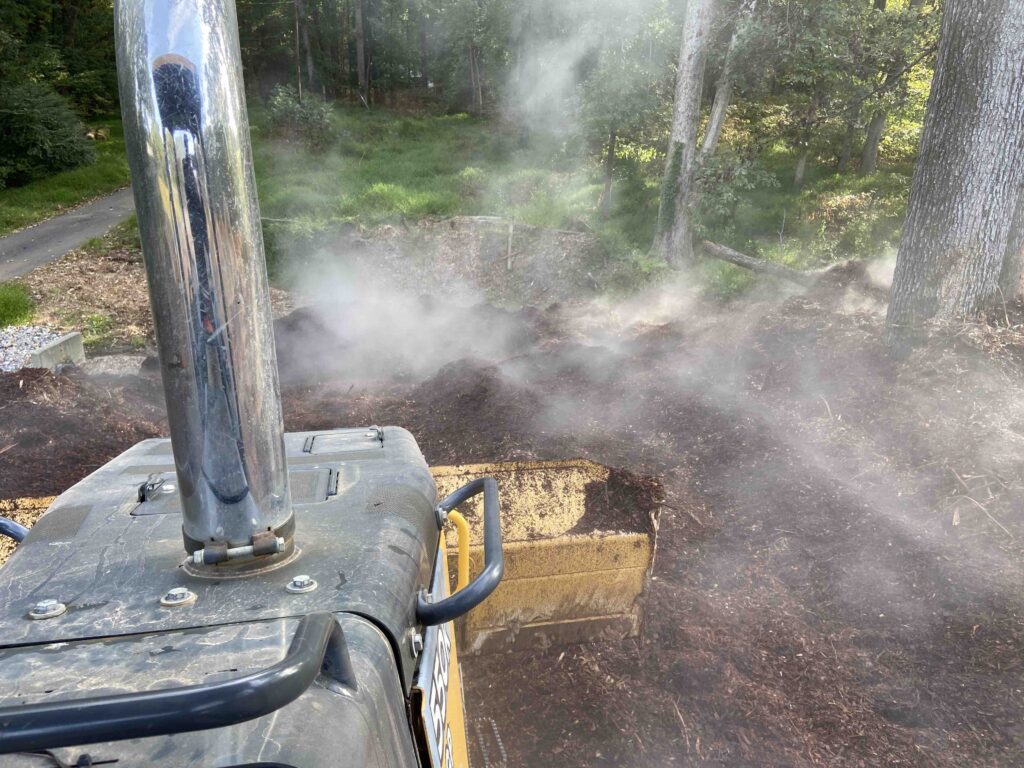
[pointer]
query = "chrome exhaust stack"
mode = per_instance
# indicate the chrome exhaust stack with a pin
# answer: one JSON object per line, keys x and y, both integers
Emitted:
{"x": 187, "y": 136}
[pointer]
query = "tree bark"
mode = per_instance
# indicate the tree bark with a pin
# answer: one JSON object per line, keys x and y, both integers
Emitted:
{"x": 846, "y": 150}
{"x": 475, "y": 79}
{"x": 298, "y": 53}
{"x": 965, "y": 193}
{"x": 800, "y": 174}
{"x": 609, "y": 174}
{"x": 343, "y": 60}
{"x": 361, "y": 62}
{"x": 723, "y": 86}
{"x": 719, "y": 107}
{"x": 869, "y": 155}
{"x": 725, "y": 253}
{"x": 674, "y": 238}
{"x": 1012, "y": 281}
{"x": 424, "y": 49}
{"x": 303, "y": 22}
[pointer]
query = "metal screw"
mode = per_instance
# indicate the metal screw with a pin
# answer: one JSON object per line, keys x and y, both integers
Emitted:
{"x": 47, "y": 609}
{"x": 417, "y": 644}
{"x": 178, "y": 596}
{"x": 301, "y": 584}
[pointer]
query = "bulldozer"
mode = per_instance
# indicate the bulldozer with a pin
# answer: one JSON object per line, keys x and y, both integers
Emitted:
{"x": 239, "y": 596}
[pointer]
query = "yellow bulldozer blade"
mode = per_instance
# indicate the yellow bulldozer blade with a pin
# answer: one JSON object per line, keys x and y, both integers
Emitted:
{"x": 579, "y": 541}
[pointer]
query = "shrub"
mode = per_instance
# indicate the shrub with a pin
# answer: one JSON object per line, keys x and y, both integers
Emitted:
{"x": 308, "y": 121}
{"x": 16, "y": 305}
{"x": 39, "y": 134}
{"x": 471, "y": 181}
{"x": 93, "y": 92}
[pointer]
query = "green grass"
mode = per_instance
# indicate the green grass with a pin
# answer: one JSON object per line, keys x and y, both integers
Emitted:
{"x": 388, "y": 167}
{"x": 96, "y": 329}
{"x": 384, "y": 166}
{"x": 16, "y": 305}
{"x": 41, "y": 199}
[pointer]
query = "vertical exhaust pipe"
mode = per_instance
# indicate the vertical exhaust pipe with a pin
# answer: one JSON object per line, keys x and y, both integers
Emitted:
{"x": 187, "y": 136}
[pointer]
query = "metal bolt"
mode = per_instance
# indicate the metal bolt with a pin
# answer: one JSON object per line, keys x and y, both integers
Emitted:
{"x": 178, "y": 596}
{"x": 301, "y": 584}
{"x": 417, "y": 644}
{"x": 47, "y": 609}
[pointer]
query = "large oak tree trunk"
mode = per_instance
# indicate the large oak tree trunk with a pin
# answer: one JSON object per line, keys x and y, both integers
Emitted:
{"x": 966, "y": 187}
{"x": 674, "y": 239}
{"x": 1012, "y": 281}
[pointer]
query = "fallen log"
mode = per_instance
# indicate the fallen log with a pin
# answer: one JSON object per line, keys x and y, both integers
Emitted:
{"x": 842, "y": 275}
{"x": 759, "y": 265}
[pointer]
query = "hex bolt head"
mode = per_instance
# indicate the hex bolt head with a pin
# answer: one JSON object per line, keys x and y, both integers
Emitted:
{"x": 299, "y": 585}
{"x": 417, "y": 644}
{"x": 47, "y": 609}
{"x": 178, "y": 596}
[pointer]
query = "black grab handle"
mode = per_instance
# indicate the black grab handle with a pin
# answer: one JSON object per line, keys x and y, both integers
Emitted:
{"x": 318, "y": 644}
{"x": 13, "y": 530}
{"x": 478, "y": 589}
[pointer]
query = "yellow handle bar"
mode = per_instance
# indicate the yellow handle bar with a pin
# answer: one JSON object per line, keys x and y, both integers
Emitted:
{"x": 462, "y": 527}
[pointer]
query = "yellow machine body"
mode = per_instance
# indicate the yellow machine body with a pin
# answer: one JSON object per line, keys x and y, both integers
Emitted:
{"x": 438, "y": 695}
{"x": 565, "y": 579}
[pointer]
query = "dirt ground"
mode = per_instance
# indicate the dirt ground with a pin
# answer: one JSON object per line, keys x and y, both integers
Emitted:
{"x": 839, "y": 561}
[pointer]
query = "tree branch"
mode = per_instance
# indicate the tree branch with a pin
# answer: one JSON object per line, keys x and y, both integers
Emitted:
{"x": 759, "y": 265}
{"x": 841, "y": 275}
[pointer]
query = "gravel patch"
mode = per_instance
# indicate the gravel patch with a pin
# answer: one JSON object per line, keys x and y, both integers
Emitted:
{"x": 17, "y": 342}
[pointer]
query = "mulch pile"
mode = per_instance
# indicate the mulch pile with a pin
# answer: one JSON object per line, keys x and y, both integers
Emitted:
{"x": 55, "y": 430}
{"x": 839, "y": 559}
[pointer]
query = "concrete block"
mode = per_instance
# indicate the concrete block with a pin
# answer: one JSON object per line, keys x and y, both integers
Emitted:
{"x": 66, "y": 349}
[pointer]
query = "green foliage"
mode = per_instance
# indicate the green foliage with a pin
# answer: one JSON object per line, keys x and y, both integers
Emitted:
{"x": 16, "y": 305}
{"x": 96, "y": 329}
{"x": 40, "y": 199}
{"x": 307, "y": 121}
{"x": 39, "y": 135}
{"x": 725, "y": 281}
{"x": 68, "y": 46}
{"x": 723, "y": 181}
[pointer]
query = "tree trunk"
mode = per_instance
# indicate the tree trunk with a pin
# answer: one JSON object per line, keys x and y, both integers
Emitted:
{"x": 966, "y": 187}
{"x": 723, "y": 94}
{"x": 609, "y": 173}
{"x": 303, "y": 22}
{"x": 846, "y": 150}
{"x": 800, "y": 174}
{"x": 475, "y": 80}
{"x": 674, "y": 239}
{"x": 1012, "y": 281}
{"x": 298, "y": 53}
{"x": 346, "y": 33}
{"x": 869, "y": 156}
{"x": 723, "y": 86}
{"x": 361, "y": 62}
{"x": 424, "y": 49}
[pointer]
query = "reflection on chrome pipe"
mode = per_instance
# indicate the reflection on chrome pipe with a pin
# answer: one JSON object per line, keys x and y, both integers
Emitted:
{"x": 188, "y": 148}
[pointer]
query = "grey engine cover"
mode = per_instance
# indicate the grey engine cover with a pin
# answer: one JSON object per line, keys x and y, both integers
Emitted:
{"x": 366, "y": 531}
